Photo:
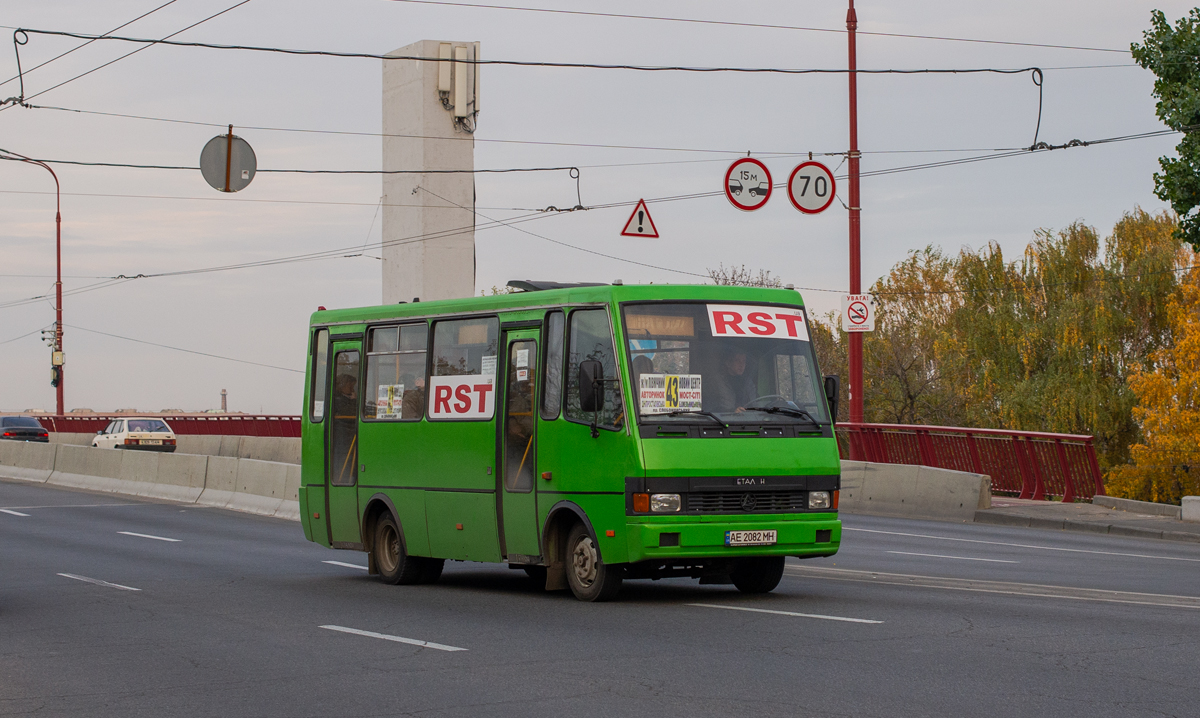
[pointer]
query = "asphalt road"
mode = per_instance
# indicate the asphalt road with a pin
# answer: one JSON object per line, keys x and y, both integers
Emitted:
{"x": 239, "y": 616}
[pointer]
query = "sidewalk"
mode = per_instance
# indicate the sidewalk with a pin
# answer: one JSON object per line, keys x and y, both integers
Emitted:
{"x": 1008, "y": 511}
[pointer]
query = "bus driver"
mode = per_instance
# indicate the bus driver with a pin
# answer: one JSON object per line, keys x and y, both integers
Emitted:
{"x": 733, "y": 389}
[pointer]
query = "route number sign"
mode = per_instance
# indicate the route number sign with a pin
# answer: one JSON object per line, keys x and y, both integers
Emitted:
{"x": 811, "y": 188}
{"x": 858, "y": 313}
{"x": 748, "y": 184}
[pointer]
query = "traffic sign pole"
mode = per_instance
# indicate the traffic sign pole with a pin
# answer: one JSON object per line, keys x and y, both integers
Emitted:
{"x": 855, "y": 339}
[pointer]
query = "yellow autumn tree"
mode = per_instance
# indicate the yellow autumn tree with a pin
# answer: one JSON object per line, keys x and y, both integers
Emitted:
{"x": 1166, "y": 463}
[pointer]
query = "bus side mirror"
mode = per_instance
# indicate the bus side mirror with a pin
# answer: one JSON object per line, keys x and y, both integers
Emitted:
{"x": 591, "y": 385}
{"x": 833, "y": 386}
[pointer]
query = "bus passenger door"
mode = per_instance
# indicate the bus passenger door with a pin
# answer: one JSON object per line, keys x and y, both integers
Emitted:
{"x": 341, "y": 466}
{"x": 519, "y": 448}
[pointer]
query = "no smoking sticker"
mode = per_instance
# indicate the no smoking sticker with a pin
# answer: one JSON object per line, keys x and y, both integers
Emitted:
{"x": 858, "y": 313}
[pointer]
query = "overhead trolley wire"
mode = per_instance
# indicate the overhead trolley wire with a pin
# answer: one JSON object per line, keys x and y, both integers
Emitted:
{"x": 755, "y": 25}
{"x": 180, "y": 349}
{"x": 89, "y": 42}
{"x": 523, "y": 63}
{"x": 17, "y": 44}
{"x": 477, "y": 138}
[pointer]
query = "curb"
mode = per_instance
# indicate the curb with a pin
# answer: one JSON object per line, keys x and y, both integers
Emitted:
{"x": 982, "y": 517}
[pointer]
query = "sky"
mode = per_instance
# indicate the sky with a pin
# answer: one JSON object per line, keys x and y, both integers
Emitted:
{"x": 119, "y": 221}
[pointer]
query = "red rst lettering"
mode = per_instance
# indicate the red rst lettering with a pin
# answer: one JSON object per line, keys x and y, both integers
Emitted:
{"x": 762, "y": 324}
{"x": 792, "y": 320}
{"x": 462, "y": 392}
{"x": 482, "y": 390}
{"x": 725, "y": 320}
{"x": 441, "y": 400}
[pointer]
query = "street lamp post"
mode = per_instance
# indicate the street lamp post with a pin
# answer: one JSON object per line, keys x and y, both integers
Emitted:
{"x": 57, "y": 356}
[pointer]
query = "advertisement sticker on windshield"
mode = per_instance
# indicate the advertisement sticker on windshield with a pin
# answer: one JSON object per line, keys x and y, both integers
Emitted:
{"x": 663, "y": 393}
{"x": 470, "y": 396}
{"x": 749, "y": 321}
{"x": 390, "y": 401}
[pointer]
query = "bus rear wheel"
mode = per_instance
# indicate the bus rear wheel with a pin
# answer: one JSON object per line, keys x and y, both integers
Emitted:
{"x": 394, "y": 564}
{"x": 757, "y": 575}
{"x": 589, "y": 579}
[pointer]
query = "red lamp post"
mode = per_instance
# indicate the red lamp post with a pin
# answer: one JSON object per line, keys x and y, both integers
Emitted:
{"x": 855, "y": 338}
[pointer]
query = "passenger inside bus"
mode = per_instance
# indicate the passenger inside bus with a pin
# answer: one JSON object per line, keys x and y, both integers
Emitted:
{"x": 733, "y": 389}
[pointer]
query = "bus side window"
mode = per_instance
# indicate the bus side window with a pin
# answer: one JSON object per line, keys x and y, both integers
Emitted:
{"x": 396, "y": 373}
{"x": 320, "y": 374}
{"x": 552, "y": 366}
{"x": 463, "y": 348}
{"x": 591, "y": 338}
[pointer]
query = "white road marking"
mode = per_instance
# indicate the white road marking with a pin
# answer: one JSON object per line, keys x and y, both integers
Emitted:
{"x": 960, "y": 558}
{"x": 343, "y": 563}
{"x": 784, "y": 613}
{"x": 397, "y": 639}
{"x": 1022, "y": 545}
{"x": 156, "y": 538}
{"x": 1002, "y": 587}
{"x": 98, "y": 582}
{"x": 74, "y": 506}
{"x": 12, "y": 513}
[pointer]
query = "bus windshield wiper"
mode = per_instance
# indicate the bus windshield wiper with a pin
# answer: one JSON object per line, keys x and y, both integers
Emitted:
{"x": 799, "y": 413}
{"x": 709, "y": 414}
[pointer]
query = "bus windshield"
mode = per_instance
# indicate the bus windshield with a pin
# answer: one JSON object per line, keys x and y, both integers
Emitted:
{"x": 739, "y": 363}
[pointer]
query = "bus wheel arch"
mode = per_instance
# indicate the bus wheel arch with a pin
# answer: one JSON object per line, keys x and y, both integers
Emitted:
{"x": 378, "y": 506}
{"x": 562, "y": 518}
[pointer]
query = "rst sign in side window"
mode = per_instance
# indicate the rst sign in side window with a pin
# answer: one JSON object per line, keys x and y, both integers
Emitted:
{"x": 462, "y": 386}
{"x": 750, "y": 321}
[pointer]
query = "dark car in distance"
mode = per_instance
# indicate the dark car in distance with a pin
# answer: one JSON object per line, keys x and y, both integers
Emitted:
{"x": 22, "y": 428}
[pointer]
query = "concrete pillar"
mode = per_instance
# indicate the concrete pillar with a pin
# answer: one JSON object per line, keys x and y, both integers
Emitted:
{"x": 428, "y": 222}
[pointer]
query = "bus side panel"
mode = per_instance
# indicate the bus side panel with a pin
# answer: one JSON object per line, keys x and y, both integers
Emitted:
{"x": 410, "y": 510}
{"x": 457, "y": 460}
{"x": 462, "y": 525}
{"x": 391, "y": 460}
{"x": 316, "y": 527}
{"x": 606, "y": 513}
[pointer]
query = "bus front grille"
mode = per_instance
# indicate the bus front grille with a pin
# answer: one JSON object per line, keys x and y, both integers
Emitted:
{"x": 758, "y": 502}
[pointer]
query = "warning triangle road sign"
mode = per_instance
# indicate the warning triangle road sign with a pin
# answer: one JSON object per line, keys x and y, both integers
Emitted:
{"x": 640, "y": 224}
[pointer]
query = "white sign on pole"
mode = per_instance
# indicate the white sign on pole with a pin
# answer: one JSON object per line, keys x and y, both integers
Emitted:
{"x": 858, "y": 313}
{"x": 811, "y": 187}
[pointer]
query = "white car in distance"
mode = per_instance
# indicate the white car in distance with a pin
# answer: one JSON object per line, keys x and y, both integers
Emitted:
{"x": 139, "y": 434}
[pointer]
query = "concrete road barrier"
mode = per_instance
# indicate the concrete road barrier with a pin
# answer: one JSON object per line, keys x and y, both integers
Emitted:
{"x": 916, "y": 492}
{"x": 220, "y": 480}
{"x": 1139, "y": 507}
{"x": 261, "y": 487}
{"x": 1191, "y": 509}
{"x": 180, "y": 477}
{"x": 27, "y": 460}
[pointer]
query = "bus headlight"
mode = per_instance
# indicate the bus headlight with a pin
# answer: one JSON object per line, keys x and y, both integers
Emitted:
{"x": 664, "y": 503}
{"x": 818, "y": 499}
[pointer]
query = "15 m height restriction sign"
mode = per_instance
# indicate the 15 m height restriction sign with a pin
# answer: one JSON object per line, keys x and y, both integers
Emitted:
{"x": 858, "y": 313}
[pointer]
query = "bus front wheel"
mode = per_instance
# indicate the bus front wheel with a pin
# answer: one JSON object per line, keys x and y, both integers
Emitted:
{"x": 395, "y": 565}
{"x": 589, "y": 579}
{"x": 757, "y": 575}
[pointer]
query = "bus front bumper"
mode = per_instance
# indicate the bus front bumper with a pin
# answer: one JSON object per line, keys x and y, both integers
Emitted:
{"x": 803, "y": 535}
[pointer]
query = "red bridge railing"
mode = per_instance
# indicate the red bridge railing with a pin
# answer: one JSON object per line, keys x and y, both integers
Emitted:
{"x": 1028, "y": 464}
{"x": 186, "y": 424}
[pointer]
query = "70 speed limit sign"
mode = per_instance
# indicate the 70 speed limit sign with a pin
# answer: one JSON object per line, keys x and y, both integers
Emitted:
{"x": 811, "y": 188}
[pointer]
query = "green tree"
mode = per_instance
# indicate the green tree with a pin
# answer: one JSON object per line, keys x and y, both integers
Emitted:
{"x": 904, "y": 359}
{"x": 1173, "y": 55}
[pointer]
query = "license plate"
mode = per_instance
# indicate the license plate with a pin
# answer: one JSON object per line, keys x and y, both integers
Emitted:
{"x": 750, "y": 538}
{"x": 152, "y": 441}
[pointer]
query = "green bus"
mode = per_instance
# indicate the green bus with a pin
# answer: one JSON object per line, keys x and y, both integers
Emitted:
{"x": 584, "y": 433}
